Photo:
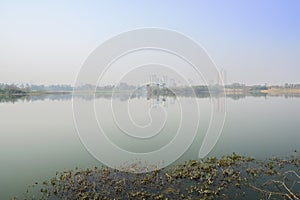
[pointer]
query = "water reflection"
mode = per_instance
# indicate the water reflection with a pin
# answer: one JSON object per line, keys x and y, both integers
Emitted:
{"x": 124, "y": 96}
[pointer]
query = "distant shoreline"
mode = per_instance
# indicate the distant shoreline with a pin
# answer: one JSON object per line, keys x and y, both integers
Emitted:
{"x": 270, "y": 91}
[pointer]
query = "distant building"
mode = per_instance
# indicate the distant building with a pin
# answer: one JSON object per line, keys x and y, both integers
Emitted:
{"x": 173, "y": 82}
{"x": 153, "y": 79}
{"x": 223, "y": 75}
{"x": 165, "y": 80}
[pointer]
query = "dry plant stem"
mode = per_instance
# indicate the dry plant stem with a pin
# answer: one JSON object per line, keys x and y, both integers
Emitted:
{"x": 289, "y": 194}
{"x": 293, "y": 172}
{"x": 270, "y": 193}
{"x": 287, "y": 189}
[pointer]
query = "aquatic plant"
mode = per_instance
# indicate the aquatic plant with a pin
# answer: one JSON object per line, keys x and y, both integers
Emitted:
{"x": 229, "y": 177}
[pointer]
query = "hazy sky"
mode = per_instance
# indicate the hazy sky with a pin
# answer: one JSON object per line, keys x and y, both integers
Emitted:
{"x": 47, "y": 41}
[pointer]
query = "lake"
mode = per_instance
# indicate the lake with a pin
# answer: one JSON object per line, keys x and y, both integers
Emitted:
{"x": 38, "y": 134}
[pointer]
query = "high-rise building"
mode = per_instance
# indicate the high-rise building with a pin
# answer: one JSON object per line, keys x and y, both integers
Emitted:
{"x": 165, "y": 80}
{"x": 223, "y": 75}
{"x": 153, "y": 79}
{"x": 173, "y": 82}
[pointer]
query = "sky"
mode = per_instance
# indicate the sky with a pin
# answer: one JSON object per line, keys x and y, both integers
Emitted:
{"x": 46, "y": 42}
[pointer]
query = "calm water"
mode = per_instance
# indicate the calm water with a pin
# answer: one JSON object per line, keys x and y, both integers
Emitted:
{"x": 38, "y": 135}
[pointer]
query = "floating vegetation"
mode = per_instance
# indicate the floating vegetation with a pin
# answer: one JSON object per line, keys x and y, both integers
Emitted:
{"x": 228, "y": 177}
